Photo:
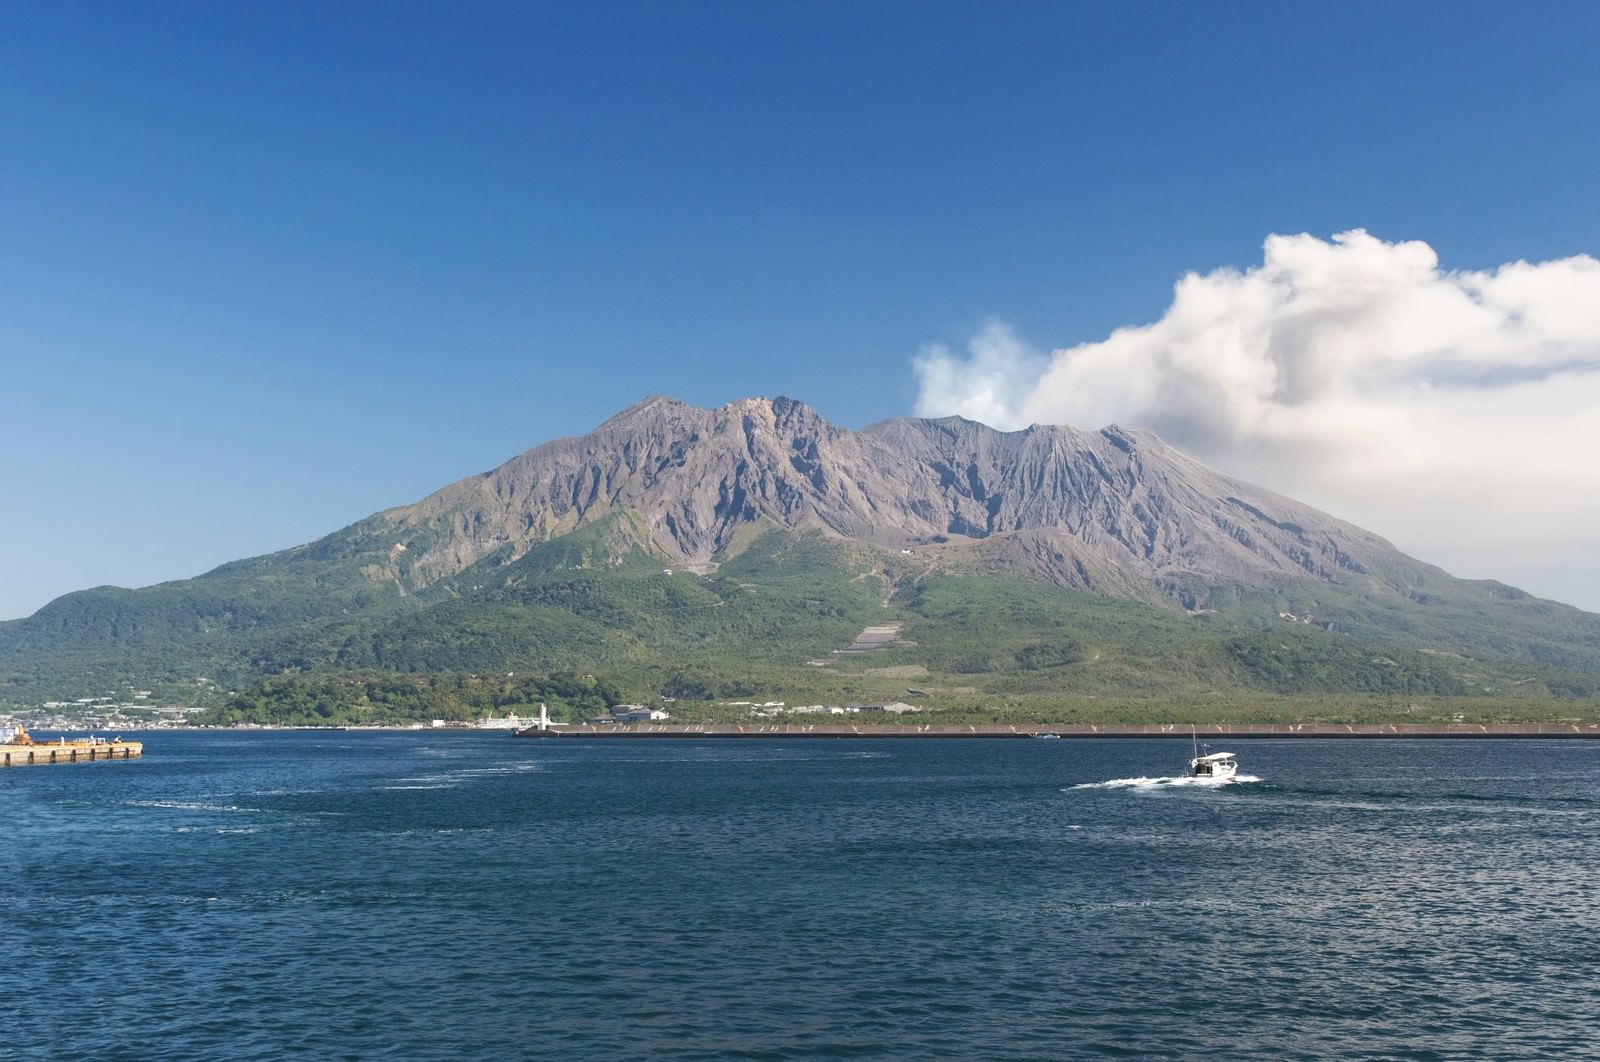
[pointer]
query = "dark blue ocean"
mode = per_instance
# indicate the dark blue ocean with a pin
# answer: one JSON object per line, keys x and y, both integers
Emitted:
{"x": 470, "y": 895}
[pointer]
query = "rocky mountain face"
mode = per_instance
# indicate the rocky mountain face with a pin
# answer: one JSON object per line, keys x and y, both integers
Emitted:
{"x": 1113, "y": 510}
{"x": 481, "y": 574}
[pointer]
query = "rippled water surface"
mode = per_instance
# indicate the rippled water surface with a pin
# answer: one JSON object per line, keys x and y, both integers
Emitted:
{"x": 430, "y": 895}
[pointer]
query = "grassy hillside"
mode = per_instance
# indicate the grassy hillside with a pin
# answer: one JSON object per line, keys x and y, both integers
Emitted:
{"x": 299, "y": 638}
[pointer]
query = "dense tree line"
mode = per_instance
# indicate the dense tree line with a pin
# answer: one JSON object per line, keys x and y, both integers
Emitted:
{"x": 392, "y": 699}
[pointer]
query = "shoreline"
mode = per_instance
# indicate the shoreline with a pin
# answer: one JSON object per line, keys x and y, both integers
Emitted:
{"x": 1243, "y": 731}
{"x": 1068, "y": 730}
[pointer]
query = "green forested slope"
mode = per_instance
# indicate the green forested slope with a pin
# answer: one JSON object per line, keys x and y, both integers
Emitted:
{"x": 600, "y": 607}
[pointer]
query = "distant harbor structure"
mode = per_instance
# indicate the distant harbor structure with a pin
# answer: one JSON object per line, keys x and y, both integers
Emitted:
{"x": 542, "y": 727}
{"x": 506, "y": 722}
{"x": 19, "y": 749}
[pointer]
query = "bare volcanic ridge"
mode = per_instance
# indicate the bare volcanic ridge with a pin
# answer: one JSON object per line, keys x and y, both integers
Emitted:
{"x": 1112, "y": 510}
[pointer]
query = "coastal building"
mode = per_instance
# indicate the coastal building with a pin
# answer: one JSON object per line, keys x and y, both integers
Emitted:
{"x": 637, "y": 713}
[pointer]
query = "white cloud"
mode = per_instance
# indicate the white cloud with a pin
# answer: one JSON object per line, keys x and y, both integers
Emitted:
{"x": 988, "y": 385}
{"x": 1457, "y": 413}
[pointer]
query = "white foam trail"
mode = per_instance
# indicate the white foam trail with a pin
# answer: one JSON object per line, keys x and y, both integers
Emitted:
{"x": 184, "y": 805}
{"x": 1163, "y": 783}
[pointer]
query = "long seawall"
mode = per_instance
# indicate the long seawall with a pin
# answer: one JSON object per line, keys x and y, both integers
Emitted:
{"x": 1066, "y": 730}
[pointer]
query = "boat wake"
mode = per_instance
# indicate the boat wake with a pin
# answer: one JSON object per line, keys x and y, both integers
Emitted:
{"x": 1180, "y": 781}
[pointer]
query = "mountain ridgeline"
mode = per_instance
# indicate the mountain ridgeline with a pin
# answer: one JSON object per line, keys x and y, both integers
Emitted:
{"x": 712, "y": 553}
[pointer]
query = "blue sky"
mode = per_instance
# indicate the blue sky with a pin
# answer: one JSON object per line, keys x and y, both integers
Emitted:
{"x": 269, "y": 268}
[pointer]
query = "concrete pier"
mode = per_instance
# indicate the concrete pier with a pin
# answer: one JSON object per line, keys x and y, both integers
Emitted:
{"x": 69, "y": 752}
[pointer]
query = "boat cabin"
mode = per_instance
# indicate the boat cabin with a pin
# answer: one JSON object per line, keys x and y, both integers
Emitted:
{"x": 1216, "y": 765}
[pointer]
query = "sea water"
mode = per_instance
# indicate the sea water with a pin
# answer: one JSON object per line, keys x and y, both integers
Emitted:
{"x": 450, "y": 895}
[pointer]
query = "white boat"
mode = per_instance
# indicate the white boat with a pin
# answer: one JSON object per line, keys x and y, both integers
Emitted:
{"x": 1218, "y": 766}
{"x": 1214, "y": 766}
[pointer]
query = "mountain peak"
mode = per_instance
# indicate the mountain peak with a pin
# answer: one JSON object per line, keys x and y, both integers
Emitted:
{"x": 652, "y": 407}
{"x": 664, "y": 484}
{"x": 1111, "y": 508}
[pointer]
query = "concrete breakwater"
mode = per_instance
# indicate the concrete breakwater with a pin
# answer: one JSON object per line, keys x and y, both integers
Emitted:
{"x": 1065, "y": 730}
{"x": 36, "y": 753}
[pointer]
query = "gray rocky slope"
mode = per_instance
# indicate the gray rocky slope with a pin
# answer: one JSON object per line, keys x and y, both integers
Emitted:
{"x": 1111, "y": 510}
{"x": 1118, "y": 513}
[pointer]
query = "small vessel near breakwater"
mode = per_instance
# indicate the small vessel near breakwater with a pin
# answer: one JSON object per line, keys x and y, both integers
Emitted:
{"x": 1215, "y": 766}
{"x": 1218, "y": 766}
{"x": 19, "y": 749}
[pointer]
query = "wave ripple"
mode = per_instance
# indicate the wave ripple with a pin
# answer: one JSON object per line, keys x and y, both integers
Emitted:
{"x": 443, "y": 896}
